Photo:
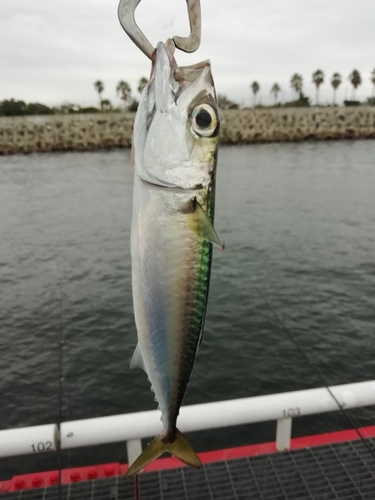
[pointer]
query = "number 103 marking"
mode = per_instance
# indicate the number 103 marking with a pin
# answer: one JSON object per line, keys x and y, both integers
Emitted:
{"x": 292, "y": 412}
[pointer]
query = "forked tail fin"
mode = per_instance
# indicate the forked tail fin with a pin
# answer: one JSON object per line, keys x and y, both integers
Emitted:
{"x": 180, "y": 448}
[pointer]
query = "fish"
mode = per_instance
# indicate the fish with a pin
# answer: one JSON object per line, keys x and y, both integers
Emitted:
{"x": 174, "y": 157}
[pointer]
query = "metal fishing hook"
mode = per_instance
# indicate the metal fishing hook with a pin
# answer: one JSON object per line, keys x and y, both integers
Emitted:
{"x": 126, "y": 11}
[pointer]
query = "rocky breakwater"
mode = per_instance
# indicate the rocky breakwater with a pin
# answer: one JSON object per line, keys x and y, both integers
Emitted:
{"x": 80, "y": 132}
{"x": 27, "y": 134}
{"x": 297, "y": 124}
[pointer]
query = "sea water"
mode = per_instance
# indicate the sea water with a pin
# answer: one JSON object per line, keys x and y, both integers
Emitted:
{"x": 298, "y": 222}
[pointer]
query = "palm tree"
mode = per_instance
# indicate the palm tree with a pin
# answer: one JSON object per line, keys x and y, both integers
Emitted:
{"x": 356, "y": 80}
{"x": 296, "y": 82}
{"x": 106, "y": 105}
{"x": 275, "y": 90}
{"x": 373, "y": 81}
{"x": 318, "y": 79}
{"x": 336, "y": 81}
{"x": 255, "y": 87}
{"x": 142, "y": 84}
{"x": 99, "y": 87}
{"x": 124, "y": 91}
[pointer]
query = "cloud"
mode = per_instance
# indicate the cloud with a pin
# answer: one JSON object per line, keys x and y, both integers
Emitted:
{"x": 54, "y": 51}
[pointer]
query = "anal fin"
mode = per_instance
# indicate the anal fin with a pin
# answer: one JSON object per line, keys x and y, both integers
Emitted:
{"x": 137, "y": 359}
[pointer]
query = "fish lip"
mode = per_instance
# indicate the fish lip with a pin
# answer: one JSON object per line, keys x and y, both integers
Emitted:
{"x": 157, "y": 54}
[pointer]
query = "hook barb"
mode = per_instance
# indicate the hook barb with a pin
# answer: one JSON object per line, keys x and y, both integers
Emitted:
{"x": 191, "y": 42}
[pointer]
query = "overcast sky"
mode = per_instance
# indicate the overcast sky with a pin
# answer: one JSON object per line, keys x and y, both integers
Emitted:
{"x": 52, "y": 51}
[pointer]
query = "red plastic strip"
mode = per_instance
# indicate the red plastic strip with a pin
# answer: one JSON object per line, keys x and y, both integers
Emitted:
{"x": 43, "y": 479}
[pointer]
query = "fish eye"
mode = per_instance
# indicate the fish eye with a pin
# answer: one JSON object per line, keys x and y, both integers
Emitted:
{"x": 204, "y": 120}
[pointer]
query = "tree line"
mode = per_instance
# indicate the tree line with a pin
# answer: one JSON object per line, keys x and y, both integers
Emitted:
{"x": 123, "y": 90}
{"x": 296, "y": 83}
{"x": 13, "y": 107}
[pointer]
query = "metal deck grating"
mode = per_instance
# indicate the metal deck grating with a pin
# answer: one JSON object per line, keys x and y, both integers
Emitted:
{"x": 344, "y": 471}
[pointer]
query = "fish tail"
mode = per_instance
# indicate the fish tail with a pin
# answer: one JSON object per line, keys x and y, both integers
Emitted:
{"x": 179, "y": 447}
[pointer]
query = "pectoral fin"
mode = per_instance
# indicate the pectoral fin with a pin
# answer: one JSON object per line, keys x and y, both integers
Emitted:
{"x": 205, "y": 227}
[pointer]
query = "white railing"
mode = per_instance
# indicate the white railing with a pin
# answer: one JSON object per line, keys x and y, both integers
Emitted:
{"x": 133, "y": 427}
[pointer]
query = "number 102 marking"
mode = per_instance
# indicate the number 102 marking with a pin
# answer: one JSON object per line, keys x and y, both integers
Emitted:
{"x": 41, "y": 447}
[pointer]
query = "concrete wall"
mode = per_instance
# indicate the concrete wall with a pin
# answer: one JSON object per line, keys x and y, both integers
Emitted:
{"x": 88, "y": 132}
{"x": 27, "y": 134}
{"x": 297, "y": 124}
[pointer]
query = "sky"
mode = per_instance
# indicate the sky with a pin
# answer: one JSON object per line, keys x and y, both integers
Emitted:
{"x": 53, "y": 51}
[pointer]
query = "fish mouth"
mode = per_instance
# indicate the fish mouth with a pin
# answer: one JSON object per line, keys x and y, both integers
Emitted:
{"x": 165, "y": 69}
{"x": 170, "y": 188}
